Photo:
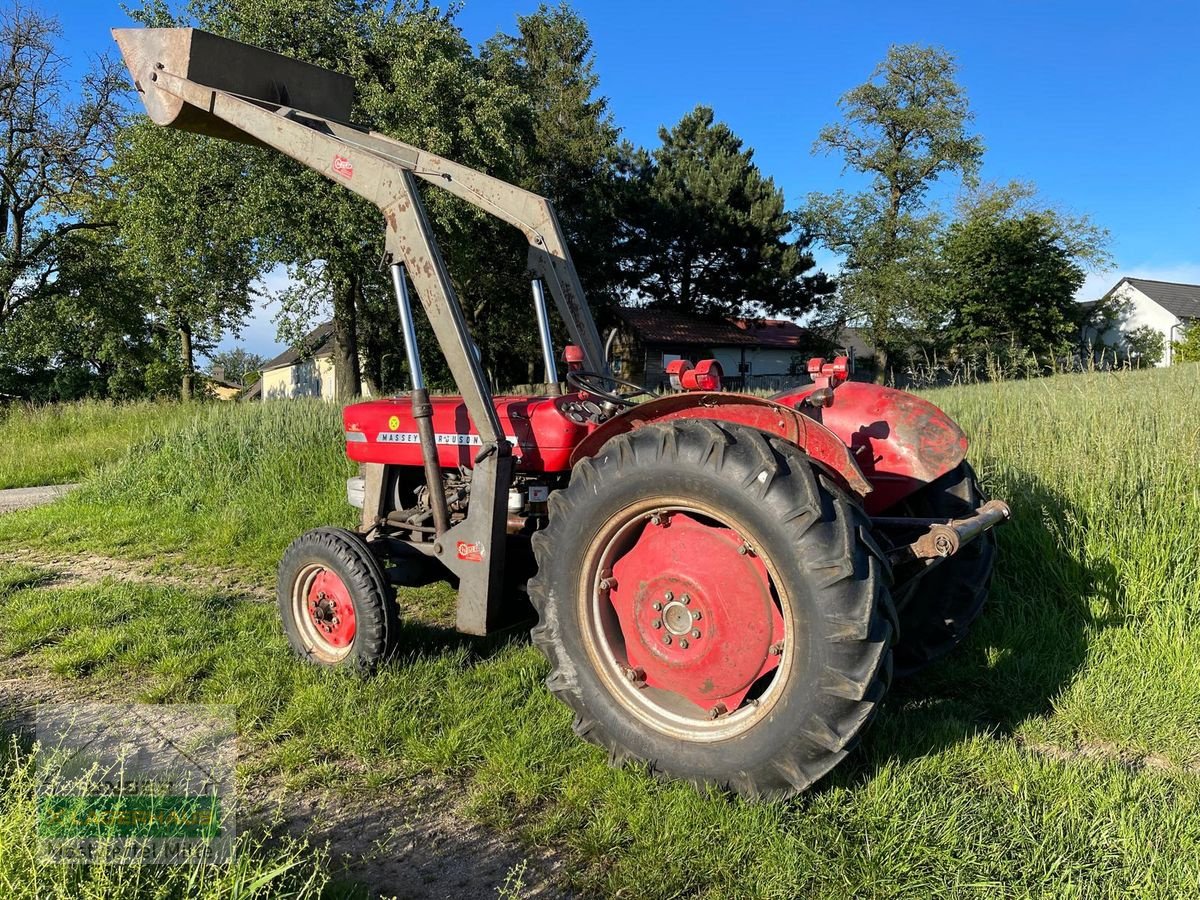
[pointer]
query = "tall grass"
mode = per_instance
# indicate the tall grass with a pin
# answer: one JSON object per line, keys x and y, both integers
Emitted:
{"x": 1055, "y": 753}
{"x": 230, "y": 485}
{"x": 62, "y": 443}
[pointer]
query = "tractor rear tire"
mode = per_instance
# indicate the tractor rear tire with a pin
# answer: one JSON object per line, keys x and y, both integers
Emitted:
{"x": 706, "y": 538}
{"x": 939, "y": 612}
{"x": 337, "y": 607}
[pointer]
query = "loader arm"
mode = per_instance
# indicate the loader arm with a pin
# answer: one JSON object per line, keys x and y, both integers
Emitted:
{"x": 195, "y": 81}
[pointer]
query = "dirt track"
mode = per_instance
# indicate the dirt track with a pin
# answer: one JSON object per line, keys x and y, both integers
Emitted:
{"x": 23, "y": 498}
{"x": 418, "y": 843}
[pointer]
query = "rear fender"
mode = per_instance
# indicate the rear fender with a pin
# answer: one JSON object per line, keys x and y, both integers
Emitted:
{"x": 816, "y": 440}
{"x": 899, "y": 441}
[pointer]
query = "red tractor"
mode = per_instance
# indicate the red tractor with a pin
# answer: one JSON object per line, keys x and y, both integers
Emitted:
{"x": 721, "y": 581}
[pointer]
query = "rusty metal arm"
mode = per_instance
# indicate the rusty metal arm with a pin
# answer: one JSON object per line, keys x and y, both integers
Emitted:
{"x": 374, "y": 160}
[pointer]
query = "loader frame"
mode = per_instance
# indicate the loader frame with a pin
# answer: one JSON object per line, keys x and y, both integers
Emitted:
{"x": 384, "y": 171}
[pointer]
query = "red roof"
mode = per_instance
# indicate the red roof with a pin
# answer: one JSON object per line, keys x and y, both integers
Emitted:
{"x": 664, "y": 326}
{"x": 777, "y": 333}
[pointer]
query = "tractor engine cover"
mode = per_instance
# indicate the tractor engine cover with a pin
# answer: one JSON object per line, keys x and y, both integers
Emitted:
{"x": 542, "y": 430}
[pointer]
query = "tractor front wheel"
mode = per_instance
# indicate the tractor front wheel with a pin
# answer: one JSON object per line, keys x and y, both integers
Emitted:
{"x": 713, "y": 605}
{"x": 335, "y": 602}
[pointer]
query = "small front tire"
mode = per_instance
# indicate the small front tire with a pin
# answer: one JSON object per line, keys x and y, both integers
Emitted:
{"x": 337, "y": 607}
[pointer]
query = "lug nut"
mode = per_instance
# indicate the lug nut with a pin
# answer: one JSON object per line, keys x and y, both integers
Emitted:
{"x": 697, "y": 616}
{"x": 657, "y": 623}
{"x": 683, "y": 644}
{"x": 685, "y": 599}
{"x": 635, "y": 675}
{"x": 666, "y": 639}
{"x": 717, "y": 711}
{"x": 668, "y": 596}
{"x": 656, "y": 606}
{"x": 695, "y": 632}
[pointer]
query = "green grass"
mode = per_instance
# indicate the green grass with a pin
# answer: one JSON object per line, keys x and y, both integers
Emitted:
{"x": 63, "y": 443}
{"x": 289, "y": 869}
{"x": 968, "y": 784}
{"x": 228, "y": 485}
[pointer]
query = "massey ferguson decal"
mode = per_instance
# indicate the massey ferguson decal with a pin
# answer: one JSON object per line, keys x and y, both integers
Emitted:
{"x": 470, "y": 552}
{"x": 342, "y": 166}
{"x": 451, "y": 440}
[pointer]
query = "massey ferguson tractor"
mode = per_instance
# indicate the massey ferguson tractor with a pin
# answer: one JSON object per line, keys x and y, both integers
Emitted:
{"x": 724, "y": 584}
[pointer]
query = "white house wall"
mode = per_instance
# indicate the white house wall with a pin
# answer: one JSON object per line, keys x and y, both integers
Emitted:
{"x": 310, "y": 378}
{"x": 1143, "y": 311}
{"x": 763, "y": 361}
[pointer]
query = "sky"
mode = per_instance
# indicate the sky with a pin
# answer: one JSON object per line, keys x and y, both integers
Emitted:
{"x": 1097, "y": 103}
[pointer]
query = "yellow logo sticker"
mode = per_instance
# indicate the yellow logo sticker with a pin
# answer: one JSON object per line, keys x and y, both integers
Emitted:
{"x": 394, "y": 422}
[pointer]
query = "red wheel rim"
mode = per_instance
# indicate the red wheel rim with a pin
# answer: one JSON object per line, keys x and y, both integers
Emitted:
{"x": 687, "y": 610}
{"x": 330, "y": 610}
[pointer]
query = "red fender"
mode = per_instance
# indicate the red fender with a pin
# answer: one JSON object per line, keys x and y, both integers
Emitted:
{"x": 815, "y": 439}
{"x": 899, "y": 441}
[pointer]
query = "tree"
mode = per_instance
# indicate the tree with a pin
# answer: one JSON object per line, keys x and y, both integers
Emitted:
{"x": 189, "y": 231}
{"x": 92, "y": 335}
{"x": 905, "y": 128}
{"x": 416, "y": 78}
{"x": 52, "y": 149}
{"x": 1010, "y": 286}
{"x": 708, "y": 233}
{"x": 1144, "y": 346}
{"x": 567, "y": 149}
{"x": 236, "y": 366}
{"x": 1011, "y": 268}
{"x": 1188, "y": 349}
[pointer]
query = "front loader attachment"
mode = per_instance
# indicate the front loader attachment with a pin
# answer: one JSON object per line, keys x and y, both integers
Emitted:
{"x": 195, "y": 81}
{"x": 228, "y": 66}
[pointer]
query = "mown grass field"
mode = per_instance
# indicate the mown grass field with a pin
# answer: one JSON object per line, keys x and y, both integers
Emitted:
{"x": 1057, "y": 753}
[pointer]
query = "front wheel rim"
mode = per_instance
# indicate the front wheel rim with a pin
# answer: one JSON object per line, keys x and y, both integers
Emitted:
{"x": 686, "y": 619}
{"x": 324, "y": 612}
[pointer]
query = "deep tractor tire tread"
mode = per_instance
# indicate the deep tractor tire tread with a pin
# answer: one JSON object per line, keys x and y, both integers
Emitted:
{"x": 812, "y": 523}
{"x": 377, "y": 620}
{"x": 945, "y": 604}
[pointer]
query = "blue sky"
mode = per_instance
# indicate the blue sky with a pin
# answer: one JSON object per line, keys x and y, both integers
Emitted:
{"x": 1097, "y": 103}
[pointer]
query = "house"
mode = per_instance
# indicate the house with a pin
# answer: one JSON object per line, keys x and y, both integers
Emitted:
{"x": 1166, "y": 306}
{"x": 302, "y": 371}
{"x": 767, "y": 353}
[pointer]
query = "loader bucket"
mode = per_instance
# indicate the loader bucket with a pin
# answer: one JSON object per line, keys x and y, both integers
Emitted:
{"x": 229, "y": 66}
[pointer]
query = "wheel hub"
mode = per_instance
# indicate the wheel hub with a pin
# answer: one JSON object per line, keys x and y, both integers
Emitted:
{"x": 696, "y": 611}
{"x": 330, "y": 609}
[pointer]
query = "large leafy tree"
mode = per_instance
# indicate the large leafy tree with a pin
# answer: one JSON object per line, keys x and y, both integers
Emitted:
{"x": 905, "y": 128}
{"x": 94, "y": 334}
{"x": 1012, "y": 267}
{"x": 188, "y": 232}
{"x": 708, "y": 232}
{"x": 567, "y": 149}
{"x": 52, "y": 150}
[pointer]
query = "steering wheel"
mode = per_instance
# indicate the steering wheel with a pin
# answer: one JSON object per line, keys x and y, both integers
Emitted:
{"x": 604, "y": 387}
